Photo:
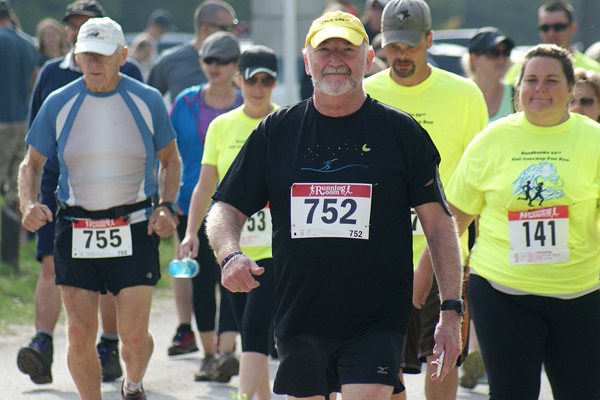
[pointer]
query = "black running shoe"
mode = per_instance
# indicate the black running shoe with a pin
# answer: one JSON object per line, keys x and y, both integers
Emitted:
{"x": 35, "y": 360}
{"x": 108, "y": 352}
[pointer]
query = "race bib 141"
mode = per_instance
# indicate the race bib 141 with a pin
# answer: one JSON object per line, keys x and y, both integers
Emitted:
{"x": 539, "y": 236}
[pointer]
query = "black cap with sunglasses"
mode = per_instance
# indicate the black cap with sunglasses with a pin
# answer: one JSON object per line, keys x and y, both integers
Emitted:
{"x": 221, "y": 47}
{"x": 486, "y": 39}
{"x": 257, "y": 59}
{"x": 84, "y": 7}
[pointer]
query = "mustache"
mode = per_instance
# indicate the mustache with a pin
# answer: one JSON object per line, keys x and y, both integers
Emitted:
{"x": 336, "y": 70}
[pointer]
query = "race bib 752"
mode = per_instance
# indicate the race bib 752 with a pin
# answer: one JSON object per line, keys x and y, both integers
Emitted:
{"x": 341, "y": 210}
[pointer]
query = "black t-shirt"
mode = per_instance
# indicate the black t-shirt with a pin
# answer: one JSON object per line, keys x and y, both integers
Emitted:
{"x": 337, "y": 286}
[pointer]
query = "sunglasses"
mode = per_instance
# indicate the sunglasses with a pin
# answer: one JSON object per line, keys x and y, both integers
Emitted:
{"x": 584, "y": 101}
{"x": 495, "y": 53}
{"x": 224, "y": 28}
{"x": 211, "y": 60}
{"x": 266, "y": 81}
{"x": 556, "y": 27}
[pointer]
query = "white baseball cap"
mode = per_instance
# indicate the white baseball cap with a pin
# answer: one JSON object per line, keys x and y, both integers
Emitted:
{"x": 99, "y": 35}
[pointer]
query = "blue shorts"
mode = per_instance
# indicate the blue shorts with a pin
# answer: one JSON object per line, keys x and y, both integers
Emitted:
{"x": 107, "y": 274}
{"x": 315, "y": 366}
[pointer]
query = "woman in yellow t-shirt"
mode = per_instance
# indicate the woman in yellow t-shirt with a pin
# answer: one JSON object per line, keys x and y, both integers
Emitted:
{"x": 533, "y": 179}
{"x": 586, "y": 94}
{"x": 225, "y": 137}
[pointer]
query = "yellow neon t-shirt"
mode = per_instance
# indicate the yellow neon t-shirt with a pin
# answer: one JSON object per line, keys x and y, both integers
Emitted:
{"x": 225, "y": 137}
{"x": 452, "y": 110}
{"x": 515, "y": 166}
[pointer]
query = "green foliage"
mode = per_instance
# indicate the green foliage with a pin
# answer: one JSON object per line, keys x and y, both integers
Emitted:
{"x": 17, "y": 289}
{"x": 236, "y": 397}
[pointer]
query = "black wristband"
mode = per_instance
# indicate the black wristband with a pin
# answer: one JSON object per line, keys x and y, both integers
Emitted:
{"x": 229, "y": 258}
{"x": 170, "y": 205}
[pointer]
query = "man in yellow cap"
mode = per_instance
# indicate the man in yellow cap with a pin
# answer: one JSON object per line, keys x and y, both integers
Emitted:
{"x": 340, "y": 172}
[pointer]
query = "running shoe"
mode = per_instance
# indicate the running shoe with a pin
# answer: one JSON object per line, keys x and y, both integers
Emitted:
{"x": 108, "y": 352}
{"x": 140, "y": 395}
{"x": 473, "y": 370}
{"x": 227, "y": 367}
{"x": 183, "y": 343}
{"x": 207, "y": 368}
{"x": 35, "y": 360}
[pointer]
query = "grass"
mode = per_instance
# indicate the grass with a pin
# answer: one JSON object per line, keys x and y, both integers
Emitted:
{"x": 17, "y": 289}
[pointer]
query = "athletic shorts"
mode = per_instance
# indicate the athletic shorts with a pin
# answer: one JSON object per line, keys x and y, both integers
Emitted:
{"x": 45, "y": 235}
{"x": 420, "y": 334}
{"x": 311, "y": 365}
{"x": 107, "y": 274}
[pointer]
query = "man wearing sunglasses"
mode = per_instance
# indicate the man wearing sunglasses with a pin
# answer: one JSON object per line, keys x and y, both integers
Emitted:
{"x": 556, "y": 25}
{"x": 178, "y": 68}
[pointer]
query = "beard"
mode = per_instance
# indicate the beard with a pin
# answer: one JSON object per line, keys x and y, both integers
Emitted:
{"x": 337, "y": 87}
{"x": 404, "y": 69}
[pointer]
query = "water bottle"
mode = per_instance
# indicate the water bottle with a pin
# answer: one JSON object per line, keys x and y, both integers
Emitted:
{"x": 186, "y": 268}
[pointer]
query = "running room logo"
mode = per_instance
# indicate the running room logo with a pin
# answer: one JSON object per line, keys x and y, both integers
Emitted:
{"x": 538, "y": 183}
{"x": 330, "y": 190}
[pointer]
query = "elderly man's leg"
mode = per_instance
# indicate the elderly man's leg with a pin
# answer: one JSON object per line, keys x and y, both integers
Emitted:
{"x": 133, "y": 313}
{"x": 372, "y": 391}
{"x": 442, "y": 390}
{"x": 81, "y": 307}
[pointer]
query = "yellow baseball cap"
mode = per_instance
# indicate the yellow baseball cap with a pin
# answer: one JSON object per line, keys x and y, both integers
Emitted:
{"x": 336, "y": 24}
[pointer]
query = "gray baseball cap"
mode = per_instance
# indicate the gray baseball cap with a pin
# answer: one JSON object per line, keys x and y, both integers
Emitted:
{"x": 405, "y": 21}
{"x": 221, "y": 45}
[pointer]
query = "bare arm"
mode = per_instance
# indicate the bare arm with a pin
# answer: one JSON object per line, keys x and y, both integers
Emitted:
{"x": 162, "y": 221}
{"x": 34, "y": 214}
{"x": 223, "y": 227}
{"x": 442, "y": 239}
{"x": 201, "y": 198}
{"x": 424, "y": 270}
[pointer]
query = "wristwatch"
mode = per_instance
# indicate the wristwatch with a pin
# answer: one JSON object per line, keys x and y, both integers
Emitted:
{"x": 457, "y": 305}
{"x": 170, "y": 205}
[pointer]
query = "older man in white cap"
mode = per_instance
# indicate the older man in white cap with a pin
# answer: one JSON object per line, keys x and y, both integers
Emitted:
{"x": 107, "y": 129}
{"x": 340, "y": 172}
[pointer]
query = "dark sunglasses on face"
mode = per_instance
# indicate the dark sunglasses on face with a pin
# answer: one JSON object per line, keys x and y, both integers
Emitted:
{"x": 584, "y": 101}
{"x": 224, "y": 28}
{"x": 556, "y": 27}
{"x": 495, "y": 53}
{"x": 266, "y": 81}
{"x": 210, "y": 60}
